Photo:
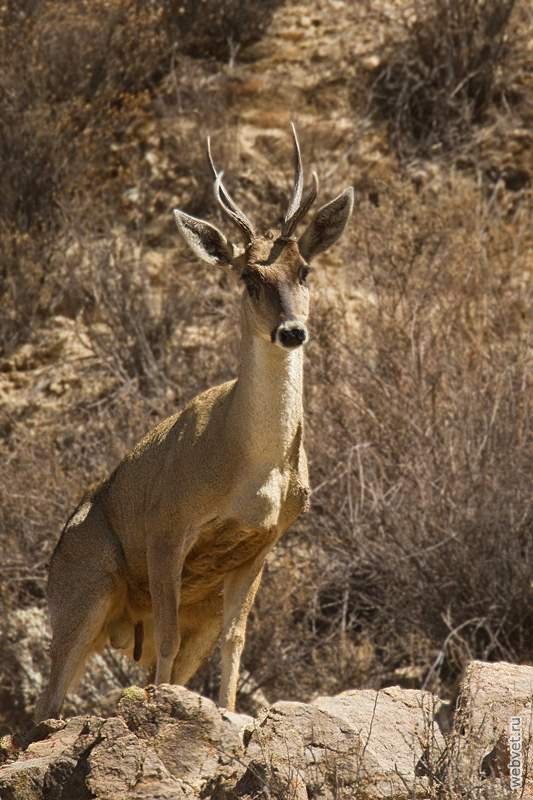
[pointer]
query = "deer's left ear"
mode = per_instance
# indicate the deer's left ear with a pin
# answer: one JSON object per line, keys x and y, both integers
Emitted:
{"x": 327, "y": 225}
{"x": 206, "y": 241}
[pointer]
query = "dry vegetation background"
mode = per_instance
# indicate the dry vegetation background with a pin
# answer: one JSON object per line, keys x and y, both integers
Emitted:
{"x": 418, "y": 552}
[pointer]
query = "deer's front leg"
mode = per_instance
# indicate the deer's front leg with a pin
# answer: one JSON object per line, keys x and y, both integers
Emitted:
{"x": 240, "y": 588}
{"x": 165, "y": 563}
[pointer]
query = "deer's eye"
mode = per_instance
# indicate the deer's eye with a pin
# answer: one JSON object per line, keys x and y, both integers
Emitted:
{"x": 252, "y": 289}
{"x": 303, "y": 273}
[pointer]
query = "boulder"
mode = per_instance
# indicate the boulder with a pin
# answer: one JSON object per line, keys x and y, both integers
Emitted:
{"x": 492, "y": 738}
{"x": 170, "y": 743}
{"x": 90, "y": 757}
{"x": 30, "y": 775}
{"x": 167, "y": 744}
{"x": 198, "y": 742}
{"x": 365, "y": 743}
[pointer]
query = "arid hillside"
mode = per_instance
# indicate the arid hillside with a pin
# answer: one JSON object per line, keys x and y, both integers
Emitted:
{"x": 417, "y": 553}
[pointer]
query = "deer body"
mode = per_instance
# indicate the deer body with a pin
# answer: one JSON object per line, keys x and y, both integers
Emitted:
{"x": 166, "y": 556}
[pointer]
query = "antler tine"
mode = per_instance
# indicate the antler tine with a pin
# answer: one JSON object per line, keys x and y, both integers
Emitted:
{"x": 210, "y": 157}
{"x": 298, "y": 207}
{"x": 308, "y": 200}
{"x": 237, "y": 217}
{"x": 231, "y": 209}
{"x": 297, "y": 190}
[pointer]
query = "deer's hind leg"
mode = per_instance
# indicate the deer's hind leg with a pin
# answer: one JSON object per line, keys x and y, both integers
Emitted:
{"x": 165, "y": 556}
{"x": 83, "y": 591}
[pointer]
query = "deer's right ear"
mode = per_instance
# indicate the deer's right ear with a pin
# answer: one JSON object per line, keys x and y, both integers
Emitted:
{"x": 206, "y": 241}
{"x": 327, "y": 225}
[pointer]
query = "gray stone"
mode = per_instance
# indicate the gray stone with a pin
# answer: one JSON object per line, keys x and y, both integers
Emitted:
{"x": 491, "y": 695}
{"x": 196, "y": 741}
{"x": 365, "y": 743}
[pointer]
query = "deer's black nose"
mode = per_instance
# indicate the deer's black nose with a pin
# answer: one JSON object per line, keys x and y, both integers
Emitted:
{"x": 291, "y": 334}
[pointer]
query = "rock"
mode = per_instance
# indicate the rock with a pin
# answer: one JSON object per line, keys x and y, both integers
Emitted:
{"x": 491, "y": 696}
{"x": 26, "y": 779}
{"x": 119, "y": 765}
{"x": 90, "y": 757}
{"x": 189, "y": 733}
{"x": 241, "y": 722}
{"x": 169, "y": 743}
{"x": 363, "y": 743}
{"x": 8, "y": 748}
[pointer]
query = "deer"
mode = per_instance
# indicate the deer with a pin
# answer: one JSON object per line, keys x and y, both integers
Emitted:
{"x": 164, "y": 558}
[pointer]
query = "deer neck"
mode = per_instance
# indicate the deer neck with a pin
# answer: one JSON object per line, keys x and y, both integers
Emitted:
{"x": 266, "y": 409}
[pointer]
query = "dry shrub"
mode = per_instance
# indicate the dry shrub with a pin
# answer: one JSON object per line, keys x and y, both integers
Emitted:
{"x": 99, "y": 50}
{"x": 87, "y": 49}
{"x": 453, "y": 63}
{"x": 23, "y": 270}
{"x": 152, "y": 333}
{"x": 63, "y": 69}
{"x": 417, "y": 554}
{"x": 73, "y": 79}
{"x": 42, "y": 471}
{"x": 217, "y": 28}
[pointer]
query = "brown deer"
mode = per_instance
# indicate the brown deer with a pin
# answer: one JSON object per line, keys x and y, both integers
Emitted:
{"x": 165, "y": 557}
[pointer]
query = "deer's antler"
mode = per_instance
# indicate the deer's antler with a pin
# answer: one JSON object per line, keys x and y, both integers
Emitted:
{"x": 298, "y": 205}
{"x": 228, "y": 206}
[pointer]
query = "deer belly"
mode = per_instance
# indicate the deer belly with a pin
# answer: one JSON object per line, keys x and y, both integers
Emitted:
{"x": 217, "y": 551}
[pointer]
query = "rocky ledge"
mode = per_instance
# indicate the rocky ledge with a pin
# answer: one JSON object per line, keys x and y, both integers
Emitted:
{"x": 168, "y": 743}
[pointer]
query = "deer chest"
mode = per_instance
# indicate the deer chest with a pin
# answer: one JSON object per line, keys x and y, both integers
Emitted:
{"x": 250, "y": 520}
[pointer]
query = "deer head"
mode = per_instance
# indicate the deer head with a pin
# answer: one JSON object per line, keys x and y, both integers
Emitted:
{"x": 274, "y": 266}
